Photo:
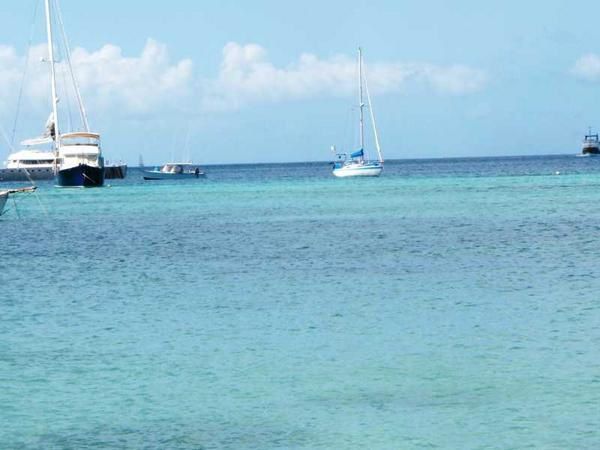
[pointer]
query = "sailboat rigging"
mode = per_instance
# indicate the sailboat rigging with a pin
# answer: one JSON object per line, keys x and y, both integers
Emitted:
{"x": 78, "y": 155}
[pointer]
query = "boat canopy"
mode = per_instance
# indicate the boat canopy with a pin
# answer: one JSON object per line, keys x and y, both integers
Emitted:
{"x": 80, "y": 135}
{"x": 358, "y": 154}
{"x": 79, "y": 150}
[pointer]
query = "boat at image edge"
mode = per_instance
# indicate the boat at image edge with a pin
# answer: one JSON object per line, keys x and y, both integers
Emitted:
{"x": 6, "y": 193}
{"x": 590, "y": 145}
{"x": 28, "y": 164}
{"x": 359, "y": 164}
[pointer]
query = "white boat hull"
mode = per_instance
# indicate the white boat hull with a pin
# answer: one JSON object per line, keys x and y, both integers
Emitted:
{"x": 357, "y": 171}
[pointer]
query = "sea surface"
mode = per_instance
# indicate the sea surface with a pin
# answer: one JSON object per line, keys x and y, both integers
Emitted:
{"x": 449, "y": 304}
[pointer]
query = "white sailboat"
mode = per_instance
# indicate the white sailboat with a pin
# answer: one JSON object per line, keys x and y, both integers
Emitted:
{"x": 79, "y": 161}
{"x": 359, "y": 165}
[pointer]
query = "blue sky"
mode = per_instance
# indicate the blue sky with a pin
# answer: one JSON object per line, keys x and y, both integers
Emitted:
{"x": 460, "y": 78}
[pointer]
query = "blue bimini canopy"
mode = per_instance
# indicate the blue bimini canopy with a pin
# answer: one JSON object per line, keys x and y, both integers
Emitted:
{"x": 358, "y": 154}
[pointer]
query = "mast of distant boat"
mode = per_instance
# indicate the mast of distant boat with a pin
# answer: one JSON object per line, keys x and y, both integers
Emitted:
{"x": 361, "y": 105}
{"x": 56, "y": 137}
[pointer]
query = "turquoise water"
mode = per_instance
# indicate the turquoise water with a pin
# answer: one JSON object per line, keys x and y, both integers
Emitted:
{"x": 450, "y": 304}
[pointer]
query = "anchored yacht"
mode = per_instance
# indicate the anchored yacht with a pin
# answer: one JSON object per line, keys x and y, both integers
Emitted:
{"x": 359, "y": 165}
{"x": 590, "y": 145}
{"x": 28, "y": 164}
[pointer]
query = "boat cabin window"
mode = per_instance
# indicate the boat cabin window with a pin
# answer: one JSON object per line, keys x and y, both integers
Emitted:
{"x": 36, "y": 161}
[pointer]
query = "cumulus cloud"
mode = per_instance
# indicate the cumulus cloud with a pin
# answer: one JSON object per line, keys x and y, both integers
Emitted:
{"x": 247, "y": 75}
{"x": 10, "y": 73}
{"x": 150, "y": 82}
{"x": 108, "y": 80}
{"x": 142, "y": 83}
{"x": 587, "y": 67}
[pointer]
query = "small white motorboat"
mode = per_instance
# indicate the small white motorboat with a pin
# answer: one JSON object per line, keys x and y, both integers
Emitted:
{"x": 174, "y": 171}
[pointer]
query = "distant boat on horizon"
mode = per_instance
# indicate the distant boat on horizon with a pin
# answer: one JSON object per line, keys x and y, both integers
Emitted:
{"x": 591, "y": 144}
{"x": 359, "y": 165}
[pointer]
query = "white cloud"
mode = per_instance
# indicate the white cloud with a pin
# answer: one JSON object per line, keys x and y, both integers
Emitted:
{"x": 587, "y": 67}
{"x": 10, "y": 73}
{"x": 247, "y": 76}
{"x": 150, "y": 83}
{"x": 140, "y": 84}
{"x": 108, "y": 80}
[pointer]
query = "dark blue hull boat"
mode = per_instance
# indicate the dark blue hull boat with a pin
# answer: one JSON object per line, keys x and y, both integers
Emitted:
{"x": 81, "y": 176}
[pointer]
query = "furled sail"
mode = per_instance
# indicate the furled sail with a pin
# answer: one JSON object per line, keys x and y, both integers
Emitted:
{"x": 358, "y": 154}
{"x": 50, "y": 127}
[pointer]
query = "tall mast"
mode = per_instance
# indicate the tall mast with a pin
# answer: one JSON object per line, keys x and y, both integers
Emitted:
{"x": 82, "y": 111}
{"x": 52, "y": 77}
{"x": 360, "y": 100}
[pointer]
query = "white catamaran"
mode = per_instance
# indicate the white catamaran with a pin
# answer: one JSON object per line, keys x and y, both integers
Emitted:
{"x": 79, "y": 161}
{"x": 358, "y": 165}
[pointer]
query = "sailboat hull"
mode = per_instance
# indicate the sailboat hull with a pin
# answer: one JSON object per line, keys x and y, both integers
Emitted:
{"x": 81, "y": 176}
{"x": 358, "y": 170}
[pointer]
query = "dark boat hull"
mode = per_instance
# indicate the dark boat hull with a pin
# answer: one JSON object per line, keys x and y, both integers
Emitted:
{"x": 81, "y": 176}
{"x": 3, "y": 200}
{"x": 112, "y": 172}
{"x": 591, "y": 151}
